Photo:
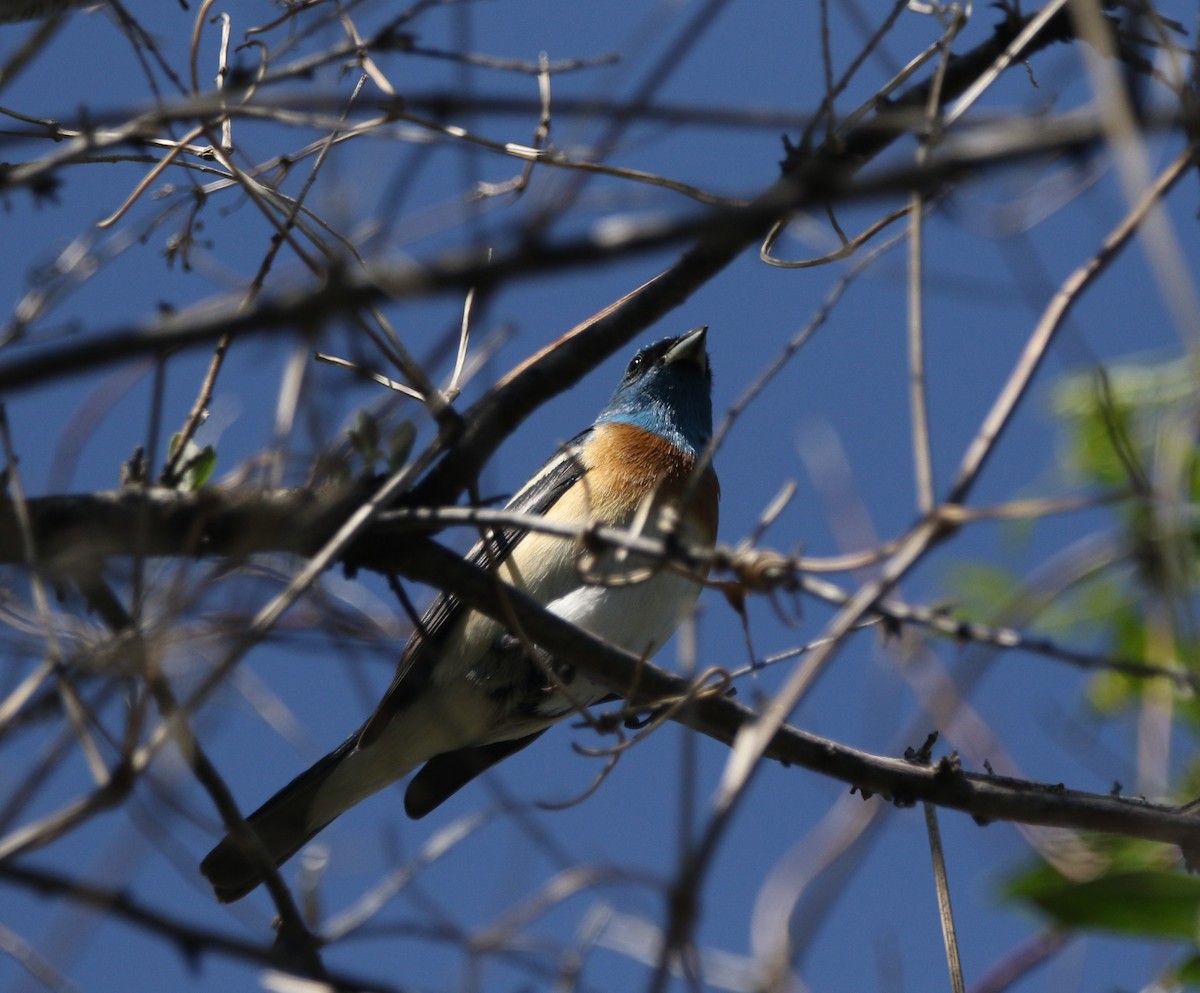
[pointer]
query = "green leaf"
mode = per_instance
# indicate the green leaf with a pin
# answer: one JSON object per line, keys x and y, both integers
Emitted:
{"x": 400, "y": 443}
{"x": 1118, "y": 419}
{"x": 1112, "y": 693}
{"x": 199, "y": 468}
{"x": 1188, "y": 974}
{"x": 1146, "y": 902}
{"x": 195, "y": 465}
{"x": 979, "y": 589}
{"x": 364, "y": 439}
{"x": 368, "y": 429}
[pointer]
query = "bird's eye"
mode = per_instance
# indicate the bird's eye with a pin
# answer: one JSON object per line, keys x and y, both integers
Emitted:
{"x": 635, "y": 364}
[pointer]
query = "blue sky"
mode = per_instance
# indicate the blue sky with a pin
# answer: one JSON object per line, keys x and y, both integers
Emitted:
{"x": 838, "y": 411}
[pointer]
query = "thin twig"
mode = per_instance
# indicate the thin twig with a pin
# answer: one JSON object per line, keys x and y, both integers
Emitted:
{"x": 942, "y": 885}
{"x": 753, "y": 742}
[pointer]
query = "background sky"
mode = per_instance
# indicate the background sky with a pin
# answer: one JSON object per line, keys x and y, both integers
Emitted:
{"x": 835, "y": 423}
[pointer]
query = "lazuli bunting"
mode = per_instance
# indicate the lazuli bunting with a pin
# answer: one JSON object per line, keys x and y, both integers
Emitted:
{"x": 467, "y": 693}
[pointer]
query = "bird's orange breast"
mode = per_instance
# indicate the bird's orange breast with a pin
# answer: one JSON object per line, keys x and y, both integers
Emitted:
{"x": 626, "y": 464}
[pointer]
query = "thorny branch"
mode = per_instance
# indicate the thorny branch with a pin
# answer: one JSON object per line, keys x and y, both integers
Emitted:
{"x": 387, "y": 528}
{"x": 173, "y": 524}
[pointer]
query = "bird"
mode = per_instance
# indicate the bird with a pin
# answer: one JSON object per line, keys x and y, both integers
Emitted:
{"x": 467, "y": 692}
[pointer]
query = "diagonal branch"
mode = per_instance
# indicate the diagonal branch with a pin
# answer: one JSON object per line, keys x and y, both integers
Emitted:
{"x": 175, "y": 524}
{"x": 984, "y": 797}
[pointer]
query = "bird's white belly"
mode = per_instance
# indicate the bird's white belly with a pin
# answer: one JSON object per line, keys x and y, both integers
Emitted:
{"x": 638, "y": 617}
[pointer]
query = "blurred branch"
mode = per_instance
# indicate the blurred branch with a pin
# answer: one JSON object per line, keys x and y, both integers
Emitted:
{"x": 168, "y": 523}
{"x": 79, "y": 531}
{"x": 385, "y": 525}
{"x": 29, "y": 10}
{"x": 984, "y": 797}
{"x": 718, "y": 236}
{"x": 73, "y": 531}
{"x": 191, "y": 941}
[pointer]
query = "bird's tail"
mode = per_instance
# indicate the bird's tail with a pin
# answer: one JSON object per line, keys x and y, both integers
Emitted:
{"x": 283, "y": 824}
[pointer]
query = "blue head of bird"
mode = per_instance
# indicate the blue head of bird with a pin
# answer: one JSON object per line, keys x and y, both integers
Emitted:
{"x": 667, "y": 389}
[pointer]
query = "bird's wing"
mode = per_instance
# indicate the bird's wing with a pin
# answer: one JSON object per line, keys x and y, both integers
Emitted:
{"x": 424, "y": 647}
{"x": 444, "y": 775}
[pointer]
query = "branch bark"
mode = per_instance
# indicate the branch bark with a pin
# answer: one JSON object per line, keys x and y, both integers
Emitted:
{"x": 70, "y": 532}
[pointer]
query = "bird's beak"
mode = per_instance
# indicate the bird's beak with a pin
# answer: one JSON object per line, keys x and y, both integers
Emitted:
{"x": 690, "y": 347}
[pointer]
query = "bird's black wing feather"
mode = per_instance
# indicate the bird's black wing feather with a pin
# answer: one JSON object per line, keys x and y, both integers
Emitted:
{"x": 423, "y": 650}
{"x": 444, "y": 775}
